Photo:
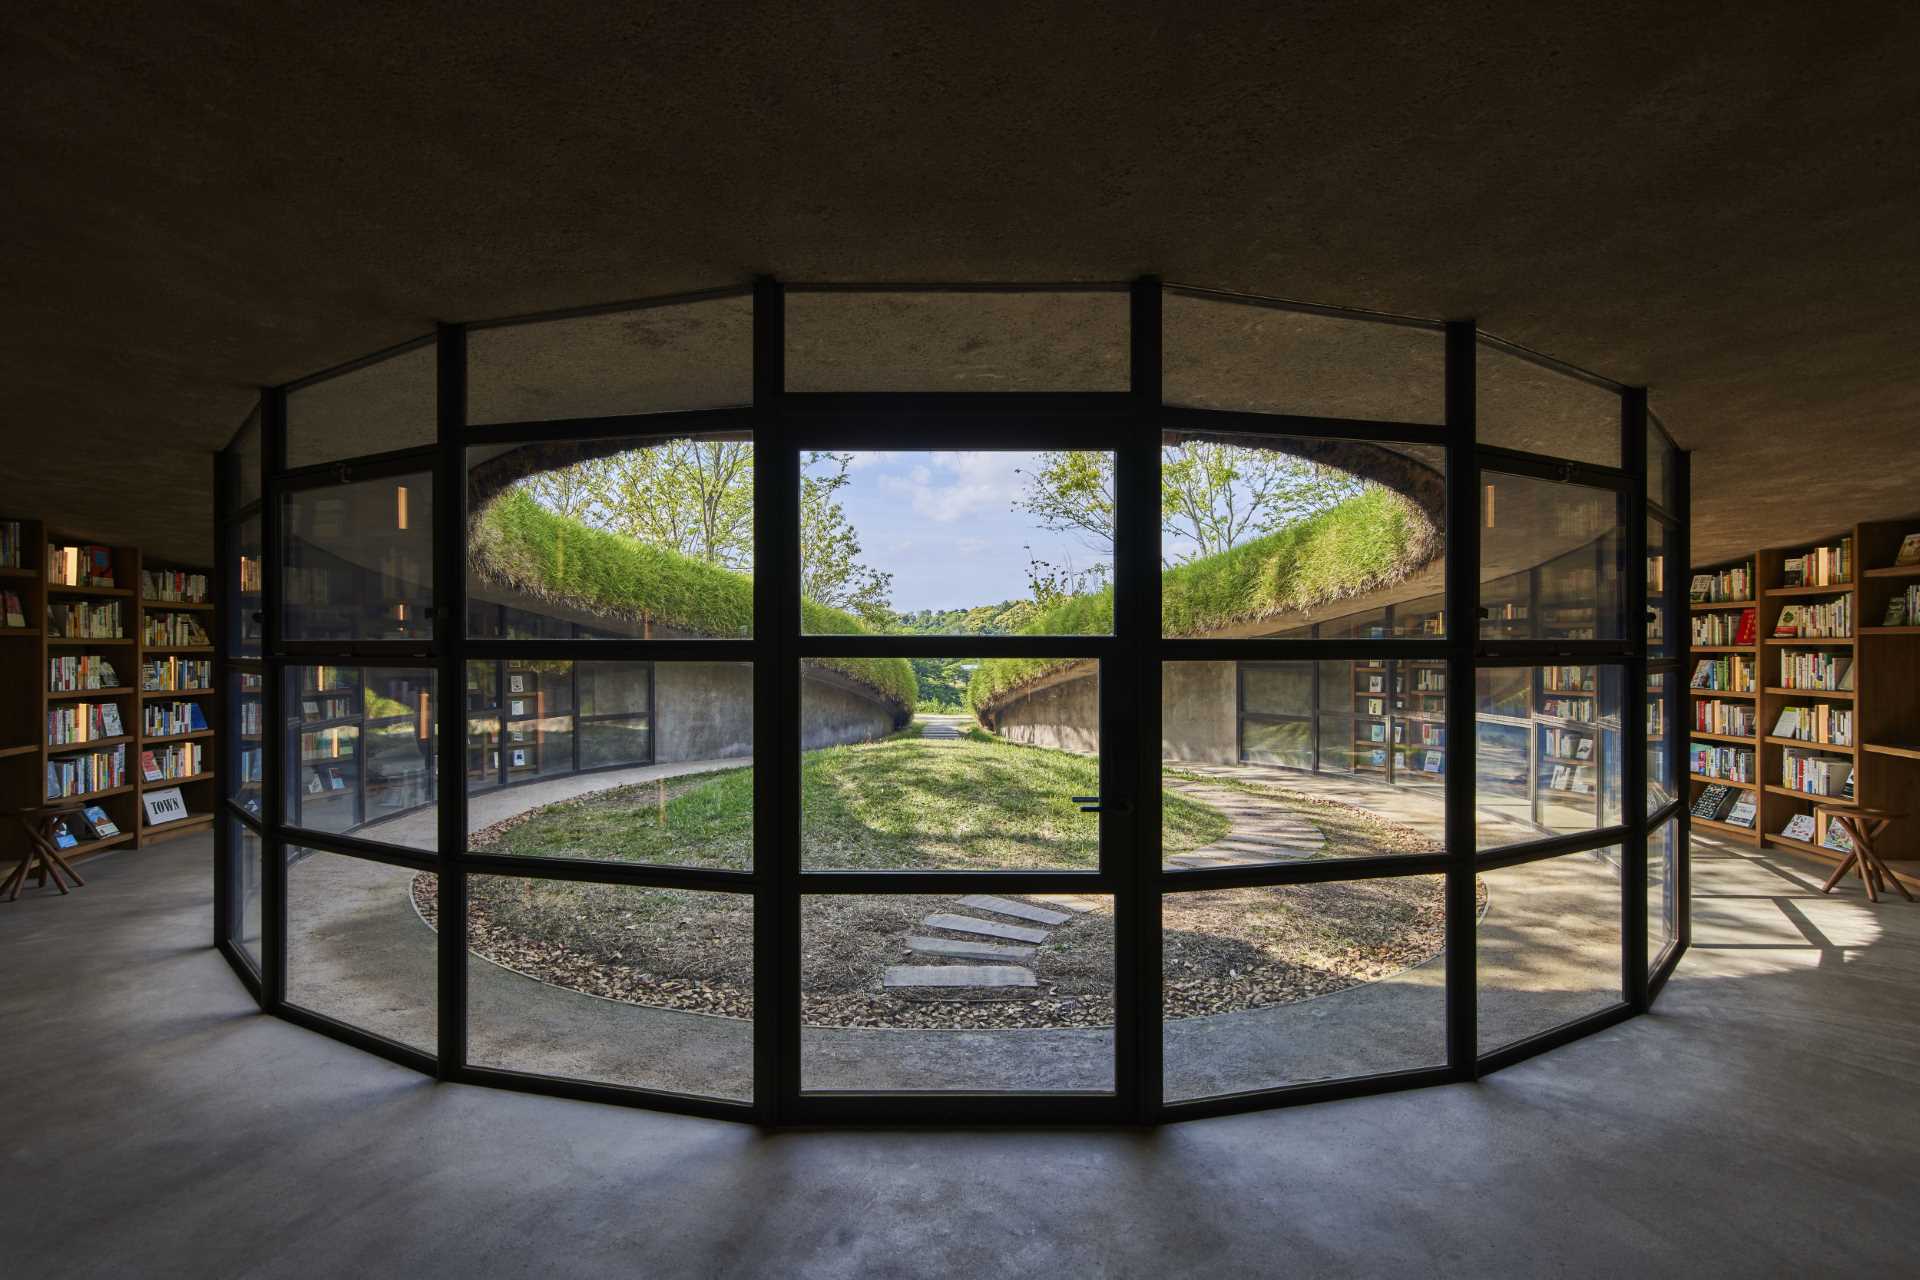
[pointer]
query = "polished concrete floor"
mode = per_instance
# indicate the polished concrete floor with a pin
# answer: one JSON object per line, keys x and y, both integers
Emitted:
{"x": 1759, "y": 1122}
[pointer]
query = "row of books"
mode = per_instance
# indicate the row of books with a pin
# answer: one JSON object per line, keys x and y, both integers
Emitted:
{"x": 12, "y": 553}
{"x": 1731, "y": 674}
{"x": 176, "y": 675}
{"x": 170, "y": 719}
{"x": 81, "y": 671}
{"x": 86, "y": 620}
{"x": 83, "y": 566}
{"x": 15, "y": 608}
{"x": 1817, "y": 722}
{"x": 83, "y": 722}
{"x": 1801, "y": 827}
{"x": 1732, "y": 805}
{"x": 1831, "y": 619}
{"x": 1727, "y": 584}
{"x": 182, "y": 760}
{"x": 173, "y": 629}
{"x": 1567, "y": 679}
{"x": 249, "y": 575}
{"x": 1904, "y": 610}
{"x": 1816, "y": 775}
{"x": 1734, "y": 718}
{"x": 1576, "y": 778}
{"x": 1429, "y": 680}
{"x": 1567, "y": 744}
{"x": 81, "y": 775}
{"x": 1812, "y": 669}
{"x": 1713, "y": 629}
{"x": 1567, "y": 708}
{"x": 1820, "y": 567}
{"x": 1710, "y": 760}
{"x": 170, "y": 584}
{"x": 339, "y": 706}
{"x": 251, "y": 717}
{"x": 251, "y": 762}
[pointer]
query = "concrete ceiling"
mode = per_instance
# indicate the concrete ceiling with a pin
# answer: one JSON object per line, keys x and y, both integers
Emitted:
{"x": 1715, "y": 199}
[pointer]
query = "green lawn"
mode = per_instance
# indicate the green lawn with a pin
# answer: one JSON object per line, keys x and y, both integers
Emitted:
{"x": 901, "y": 803}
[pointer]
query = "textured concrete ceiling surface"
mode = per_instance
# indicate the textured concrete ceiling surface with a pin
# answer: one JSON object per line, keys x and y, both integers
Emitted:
{"x": 1717, "y": 200}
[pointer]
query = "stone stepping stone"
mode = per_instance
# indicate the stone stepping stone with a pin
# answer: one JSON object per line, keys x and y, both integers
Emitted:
{"x": 987, "y": 928}
{"x": 958, "y": 950}
{"x": 1018, "y": 910}
{"x": 957, "y": 975}
{"x": 1078, "y": 903}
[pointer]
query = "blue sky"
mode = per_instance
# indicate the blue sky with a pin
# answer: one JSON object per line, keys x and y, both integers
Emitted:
{"x": 944, "y": 525}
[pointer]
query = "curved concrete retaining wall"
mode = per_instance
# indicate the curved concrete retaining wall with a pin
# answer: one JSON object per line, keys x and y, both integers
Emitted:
{"x": 1197, "y": 712}
{"x": 704, "y": 711}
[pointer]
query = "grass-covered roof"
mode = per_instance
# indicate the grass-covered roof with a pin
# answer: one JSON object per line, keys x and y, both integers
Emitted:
{"x": 1364, "y": 543}
{"x": 520, "y": 544}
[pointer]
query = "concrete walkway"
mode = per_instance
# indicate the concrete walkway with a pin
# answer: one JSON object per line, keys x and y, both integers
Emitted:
{"x": 944, "y": 729}
{"x": 1264, "y": 830}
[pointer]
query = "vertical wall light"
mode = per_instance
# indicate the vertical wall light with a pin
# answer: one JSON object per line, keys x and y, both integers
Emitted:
{"x": 400, "y": 507}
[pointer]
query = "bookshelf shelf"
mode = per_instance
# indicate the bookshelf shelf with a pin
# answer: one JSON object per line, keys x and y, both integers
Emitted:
{"x": 1894, "y": 571}
{"x": 1724, "y": 782}
{"x": 27, "y": 698}
{"x": 1900, "y": 750}
{"x": 1742, "y": 661}
{"x": 1890, "y": 631}
{"x": 1837, "y": 748}
{"x": 1698, "y": 692}
{"x": 1720, "y": 737}
{"x": 1730, "y": 828}
{"x": 1845, "y": 695}
{"x": 1775, "y": 789}
{"x": 1812, "y": 642}
{"x": 1708, "y": 606}
{"x": 180, "y": 737}
{"x": 1789, "y": 592}
{"x": 1721, "y": 648}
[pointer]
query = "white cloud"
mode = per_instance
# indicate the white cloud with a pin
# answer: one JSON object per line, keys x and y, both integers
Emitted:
{"x": 952, "y": 486}
{"x": 970, "y": 546}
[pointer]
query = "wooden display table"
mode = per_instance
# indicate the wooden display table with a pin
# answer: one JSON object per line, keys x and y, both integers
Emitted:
{"x": 43, "y": 850}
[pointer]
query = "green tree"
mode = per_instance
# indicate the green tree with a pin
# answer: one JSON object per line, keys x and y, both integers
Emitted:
{"x": 690, "y": 496}
{"x": 830, "y": 568}
{"x": 572, "y": 491}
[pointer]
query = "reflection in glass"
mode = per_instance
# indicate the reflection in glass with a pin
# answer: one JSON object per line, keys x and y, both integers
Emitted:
{"x": 689, "y": 355}
{"x": 360, "y": 753}
{"x": 246, "y": 738}
{"x": 1660, "y": 637}
{"x": 376, "y": 408}
{"x": 615, "y": 984}
{"x": 1551, "y": 560}
{"x": 1263, "y": 535}
{"x": 1662, "y": 779}
{"x": 1222, "y": 353}
{"x": 360, "y": 945}
{"x": 244, "y": 627}
{"x": 1548, "y": 944}
{"x": 1548, "y": 760}
{"x": 1525, "y": 405}
{"x": 244, "y": 872}
{"x": 923, "y": 966}
{"x": 359, "y": 560}
{"x": 1663, "y": 891}
{"x": 952, "y": 340}
{"x": 1271, "y": 987}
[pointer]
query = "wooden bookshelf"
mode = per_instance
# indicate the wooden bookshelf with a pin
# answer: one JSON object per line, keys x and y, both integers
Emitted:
{"x": 1729, "y": 611}
{"x": 1884, "y": 698}
{"x": 27, "y": 696}
{"x": 182, "y": 676}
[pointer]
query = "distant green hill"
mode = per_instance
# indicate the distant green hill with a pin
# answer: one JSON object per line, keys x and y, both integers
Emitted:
{"x": 1364, "y": 543}
{"x": 521, "y": 544}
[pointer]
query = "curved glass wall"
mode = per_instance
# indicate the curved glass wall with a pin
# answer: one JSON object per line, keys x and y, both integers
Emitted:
{"x": 816, "y": 703}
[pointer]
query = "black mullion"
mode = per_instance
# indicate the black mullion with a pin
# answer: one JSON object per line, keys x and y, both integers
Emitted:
{"x": 1539, "y": 466}
{"x": 1132, "y": 745}
{"x": 1040, "y": 880}
{"x": 374, "y": 466}
{"x": 1282, "y": 649}
{"x": 689, "y": 650}
{"x": 776, "y": 699}
{"x": 611, "y": 1094}
{"x": 611, "y": 308}
{"x": 864, "y": 415}
{"x": 640, "y": 875}
{"x": 919, "y": 646}
{"x": 449, "y": 637}
{"x": 1515, "y": 855}
{"x": 1566, "y": 1033}
{"x": 228, "y": 748}
{"x": 1676, "y": 739}
{"x": 682, "y": 424}
{"x": 1305, "y": 871}
{"x": 1633, "y": 805}
{"x": 1463, "y": 628}
{"x": 355, "y": 847}
{"x": 273, "y": 729}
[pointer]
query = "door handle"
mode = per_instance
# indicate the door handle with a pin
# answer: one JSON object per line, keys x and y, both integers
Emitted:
{"x": 1093, "y": 804}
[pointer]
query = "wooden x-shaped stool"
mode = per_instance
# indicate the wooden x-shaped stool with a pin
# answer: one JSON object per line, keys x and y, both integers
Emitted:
{"x": 1864, "y": 826}
{"x": 41, "y": 849}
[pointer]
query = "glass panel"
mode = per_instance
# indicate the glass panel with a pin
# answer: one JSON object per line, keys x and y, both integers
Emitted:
{"x": 387, "y": 405}
{"x": 982, "y": 792}
{"x": 1661, "y": 777}
{"x": 1663, "y": 891}
{"x": 1549, "y": 751}
{"x": 1660, "y": 638}
{"x": 1263, "y": 535}
{"x": 1226, "y": 354}
{"x": 1554, "y": 551}
{"x": 957, "y": 543}
{"x": 635, "y": 762}
{"x": 246, "y": 454}
{"x": 359, "y": 560}
{"x": 1277, "y": 688}
{"x": 613, "y": 984}
{"x": 1279, "y": 986}
{"x": 971, "y": 992}
{"x": 692, "y": 355}
{"x": 1660, "y": 468}
{"x": 360, "y": 753}
{"x": 360, "y": 944}
{"x": 954, "y": 341}
{"x": 244, "y": 628}
{"x": 1265, "y": 802}
{"x": 637, "y": 537}
{"x": 243, "y": 852}
{"x": 246, "y": 735}
{"x": 1526, "y": 406}
{"x": 1548, "y": 944}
